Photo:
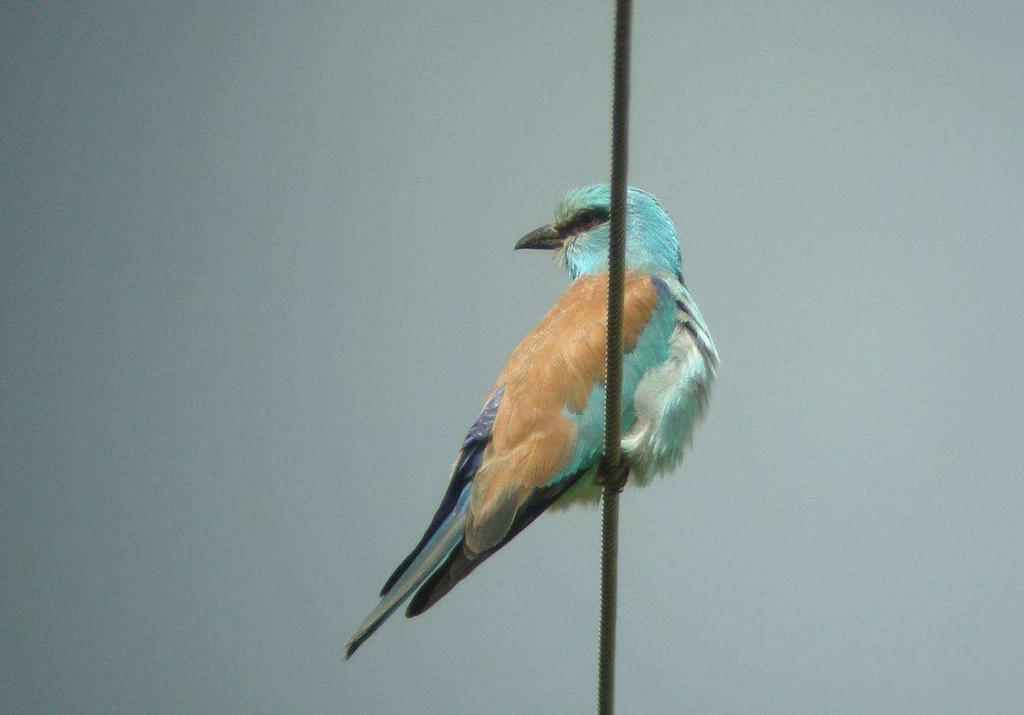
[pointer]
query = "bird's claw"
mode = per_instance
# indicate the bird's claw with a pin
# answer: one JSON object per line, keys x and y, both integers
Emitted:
{"x": 613, "y": 477}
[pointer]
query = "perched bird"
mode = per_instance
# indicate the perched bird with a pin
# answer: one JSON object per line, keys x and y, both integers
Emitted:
{"x": 537, "y": 441}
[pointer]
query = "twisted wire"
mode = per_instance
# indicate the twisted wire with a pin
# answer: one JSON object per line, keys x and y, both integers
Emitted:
{"x": 612, "y": 470}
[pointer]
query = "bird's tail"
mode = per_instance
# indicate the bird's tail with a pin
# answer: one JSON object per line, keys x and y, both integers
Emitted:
{"x": 448, "y": 535}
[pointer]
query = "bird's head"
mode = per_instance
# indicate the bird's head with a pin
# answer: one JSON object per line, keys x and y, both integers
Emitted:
{"x": 579, "y": 233}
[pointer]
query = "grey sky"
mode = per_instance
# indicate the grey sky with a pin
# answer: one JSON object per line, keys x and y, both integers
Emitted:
{"x": 257, "y": 276}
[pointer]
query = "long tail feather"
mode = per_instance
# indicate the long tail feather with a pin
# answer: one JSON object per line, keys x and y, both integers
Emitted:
{"x": 432, "y": 555}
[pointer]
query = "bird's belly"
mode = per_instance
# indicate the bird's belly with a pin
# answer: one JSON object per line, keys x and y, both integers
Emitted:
{"x": 669, "y": 402}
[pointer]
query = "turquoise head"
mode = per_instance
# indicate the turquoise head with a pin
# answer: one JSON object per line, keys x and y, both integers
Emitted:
{"x": 579, "y": 233}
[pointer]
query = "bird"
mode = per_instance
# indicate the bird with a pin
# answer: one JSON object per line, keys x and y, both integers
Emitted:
{"x": 538, "y": 439}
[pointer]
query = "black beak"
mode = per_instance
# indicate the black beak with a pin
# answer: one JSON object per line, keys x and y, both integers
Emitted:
{"x": 545, "y": 238}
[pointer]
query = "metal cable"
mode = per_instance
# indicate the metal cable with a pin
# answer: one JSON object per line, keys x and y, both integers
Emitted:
{"x": 612, "y": 472}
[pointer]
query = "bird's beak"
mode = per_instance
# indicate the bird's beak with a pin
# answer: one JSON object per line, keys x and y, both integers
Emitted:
{"x": 545, "y": 238}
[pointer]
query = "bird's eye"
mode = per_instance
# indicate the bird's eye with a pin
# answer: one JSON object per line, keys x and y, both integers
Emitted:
{"x": 586, "y": 220}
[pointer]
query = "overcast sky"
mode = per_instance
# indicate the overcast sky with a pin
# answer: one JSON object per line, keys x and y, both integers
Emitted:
{"x": 257, "y": 276}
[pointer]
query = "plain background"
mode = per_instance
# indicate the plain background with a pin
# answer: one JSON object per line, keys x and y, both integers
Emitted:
{"x": 257, "y": 277}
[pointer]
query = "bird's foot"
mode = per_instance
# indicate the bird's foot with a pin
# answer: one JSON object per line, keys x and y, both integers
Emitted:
{"x": 613, "y": 477}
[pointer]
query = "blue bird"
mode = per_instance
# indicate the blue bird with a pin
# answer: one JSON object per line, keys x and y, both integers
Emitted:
{"x": 537, "y": 440}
